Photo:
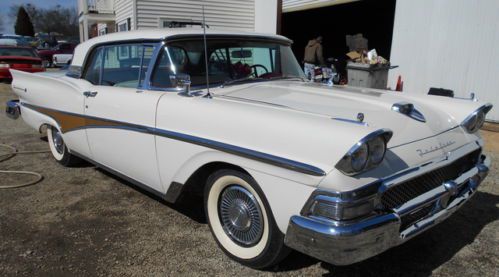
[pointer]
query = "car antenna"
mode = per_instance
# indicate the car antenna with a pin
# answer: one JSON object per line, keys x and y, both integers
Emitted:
{"x": 206, "y": 56}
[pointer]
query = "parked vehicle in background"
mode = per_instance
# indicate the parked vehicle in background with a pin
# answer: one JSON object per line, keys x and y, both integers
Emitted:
{"x": 339, "y": 173}
{"x": 59, "y": 60}
{"x": 8, "y": 41}
{"x": 20, "y": 40}
{"x": 47, "y": 55}
{"x": 19, "y": 58}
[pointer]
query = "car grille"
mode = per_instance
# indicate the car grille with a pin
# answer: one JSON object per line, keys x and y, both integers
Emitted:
{"x": 409, "y": 219}
{"x": 403, "y": 192}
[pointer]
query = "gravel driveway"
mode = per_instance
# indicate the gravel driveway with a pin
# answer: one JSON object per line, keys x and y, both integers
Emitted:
{"x": 83, "y": 221}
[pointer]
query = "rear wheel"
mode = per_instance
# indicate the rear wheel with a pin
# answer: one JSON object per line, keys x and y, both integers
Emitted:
{"x": 59, "y": 149}
{"x": 241, "y": 220}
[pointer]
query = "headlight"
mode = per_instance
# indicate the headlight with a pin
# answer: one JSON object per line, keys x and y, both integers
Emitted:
{"x": 475, "y": 120}
{"x": 367, "y": 153}
{"x": 377, "y": 149}
{"x": 358, "y": 159}
{"x": 4, "y": 65}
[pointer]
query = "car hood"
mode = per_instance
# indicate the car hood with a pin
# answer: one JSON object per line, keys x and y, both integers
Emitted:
{"x": 345, "y": 103}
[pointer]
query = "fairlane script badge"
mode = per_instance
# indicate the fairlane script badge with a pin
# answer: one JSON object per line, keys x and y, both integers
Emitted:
{"x": 441, "y": 145}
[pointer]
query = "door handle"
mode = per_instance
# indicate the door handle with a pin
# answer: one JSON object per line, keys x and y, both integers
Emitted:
{"x": 90, "y": 93}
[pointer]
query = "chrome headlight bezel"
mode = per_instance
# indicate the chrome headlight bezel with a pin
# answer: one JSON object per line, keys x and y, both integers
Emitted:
{"x": 473, "y": 122}
{"x": 343, "y": 206}
{"x": 345, "y": 165}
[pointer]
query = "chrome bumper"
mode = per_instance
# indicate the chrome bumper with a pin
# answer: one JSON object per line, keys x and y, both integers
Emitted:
{"x": 13, "y": 109}
{"x": 343, "y": 244}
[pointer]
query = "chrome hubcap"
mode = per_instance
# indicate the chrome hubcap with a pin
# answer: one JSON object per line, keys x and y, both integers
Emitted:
{"x": 240, "y": 215}
{"x": 57, "y": 140}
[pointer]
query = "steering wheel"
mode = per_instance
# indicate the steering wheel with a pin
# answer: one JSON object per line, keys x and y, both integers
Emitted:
{"x": 255, "y": 72}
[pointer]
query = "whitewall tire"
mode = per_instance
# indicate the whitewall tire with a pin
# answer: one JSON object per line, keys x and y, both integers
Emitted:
{"x": 59, "y": 149}
{"x": 241, "y": 220}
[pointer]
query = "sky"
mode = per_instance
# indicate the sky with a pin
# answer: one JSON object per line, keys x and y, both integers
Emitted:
{"x": 8, "y": 23}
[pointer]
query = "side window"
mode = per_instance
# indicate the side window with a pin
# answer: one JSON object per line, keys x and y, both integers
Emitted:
{"x": 164, "y": 68}
{"x": 92, "y": 72}
{"x": 123, "y": 65}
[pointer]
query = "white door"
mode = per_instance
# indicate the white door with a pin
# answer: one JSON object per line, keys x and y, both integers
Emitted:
{"x": 118, "y": 114}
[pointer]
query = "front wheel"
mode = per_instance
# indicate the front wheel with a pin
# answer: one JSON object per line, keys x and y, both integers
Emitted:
{"x": 59, "y": 149}
{"x": 241, "y": 221}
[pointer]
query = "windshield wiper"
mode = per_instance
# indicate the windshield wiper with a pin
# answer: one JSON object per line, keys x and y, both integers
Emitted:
{"x": 241, "y": 80}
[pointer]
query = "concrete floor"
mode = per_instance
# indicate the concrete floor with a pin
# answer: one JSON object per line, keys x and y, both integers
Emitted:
{"x": 83, "y": 221}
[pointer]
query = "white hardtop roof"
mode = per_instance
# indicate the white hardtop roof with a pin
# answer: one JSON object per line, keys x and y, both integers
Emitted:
{"x": 155, "y": 34}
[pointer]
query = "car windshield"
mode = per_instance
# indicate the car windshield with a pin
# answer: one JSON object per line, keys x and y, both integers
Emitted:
{"x": 11, "y": 51}
{"x": 229, "y": 61}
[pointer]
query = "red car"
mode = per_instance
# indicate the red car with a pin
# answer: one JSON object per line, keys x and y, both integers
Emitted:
{"x": 63, "y": 48}
{"x": 19, "y": 58}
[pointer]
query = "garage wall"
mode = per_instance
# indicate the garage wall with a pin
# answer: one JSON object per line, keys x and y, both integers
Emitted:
{"x": 221, "y": 14}
{"x": 448, "y": 43}
{"x": 124, "y": 10}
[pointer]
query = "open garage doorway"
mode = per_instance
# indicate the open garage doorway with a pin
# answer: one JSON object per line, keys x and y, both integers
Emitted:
{"x": 373, "y": 18}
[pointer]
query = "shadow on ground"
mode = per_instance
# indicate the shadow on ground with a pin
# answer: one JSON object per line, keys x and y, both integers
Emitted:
{"x": 419, "y": 256}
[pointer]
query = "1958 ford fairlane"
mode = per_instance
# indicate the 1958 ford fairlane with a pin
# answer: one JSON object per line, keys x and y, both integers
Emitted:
{"x": 339, "y": 173}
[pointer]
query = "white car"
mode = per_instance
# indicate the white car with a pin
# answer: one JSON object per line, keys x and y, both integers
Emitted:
{"x": 61, "y": 59}
{"x": 338, "y": 173}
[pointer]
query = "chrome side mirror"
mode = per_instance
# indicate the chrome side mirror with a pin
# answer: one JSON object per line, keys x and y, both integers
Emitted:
{"x": 182, "y": 83}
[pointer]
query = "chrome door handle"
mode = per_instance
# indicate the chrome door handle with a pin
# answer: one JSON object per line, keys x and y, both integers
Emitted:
{"x": 90, "y": 93}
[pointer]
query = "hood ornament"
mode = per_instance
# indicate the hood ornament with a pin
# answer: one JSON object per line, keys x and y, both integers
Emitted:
{"x": 360, "y": 117}
{"x": 409, "y": 110}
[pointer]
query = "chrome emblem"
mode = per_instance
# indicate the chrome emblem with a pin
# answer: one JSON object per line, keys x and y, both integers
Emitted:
{"x": 441, "y": 145}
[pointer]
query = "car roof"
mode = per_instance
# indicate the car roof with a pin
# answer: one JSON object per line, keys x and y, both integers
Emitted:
{"x": 158, "y": 34}
{"x": 14, "y": 46}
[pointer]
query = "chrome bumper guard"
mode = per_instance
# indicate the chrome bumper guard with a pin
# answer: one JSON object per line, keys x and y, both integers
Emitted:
{"x": 13, "y": 109}
{"x": 343, "y": 244}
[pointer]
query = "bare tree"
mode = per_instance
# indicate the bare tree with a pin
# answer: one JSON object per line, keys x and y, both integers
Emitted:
{"x": 51, "y": 20}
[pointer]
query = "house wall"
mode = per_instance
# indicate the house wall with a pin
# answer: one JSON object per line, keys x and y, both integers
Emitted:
{"x": 124, "y": 10}
{"x": 450, "y": 44}
{"x": 221, "y": 14}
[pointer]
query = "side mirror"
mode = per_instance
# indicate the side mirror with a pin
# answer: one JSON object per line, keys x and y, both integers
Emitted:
{"x": 182, "y": 83}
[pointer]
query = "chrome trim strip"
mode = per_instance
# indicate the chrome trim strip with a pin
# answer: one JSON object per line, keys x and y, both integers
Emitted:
{"x": 224, "y": 147}
{"x": 351, "y": 121}
{"x": 244, "y": 152}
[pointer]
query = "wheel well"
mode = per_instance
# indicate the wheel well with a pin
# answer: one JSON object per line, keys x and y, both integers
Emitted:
{"x": 197, "y": 181}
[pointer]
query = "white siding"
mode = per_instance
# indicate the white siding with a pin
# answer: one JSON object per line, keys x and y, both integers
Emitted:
{"x": 220, "y": 14}
{"x": 448, "y": 43}
{"x": 124, "y": 10}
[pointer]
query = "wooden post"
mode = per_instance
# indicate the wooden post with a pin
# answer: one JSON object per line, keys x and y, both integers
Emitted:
{"x": 279, "y": 17}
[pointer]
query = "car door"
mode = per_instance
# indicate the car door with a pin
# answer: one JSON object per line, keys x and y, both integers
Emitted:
{"x": 118, "y": 113}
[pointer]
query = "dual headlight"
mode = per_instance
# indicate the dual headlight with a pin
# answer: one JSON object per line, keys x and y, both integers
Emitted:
{"x": 365, "y": 154}
{"x": 475, "y": 120}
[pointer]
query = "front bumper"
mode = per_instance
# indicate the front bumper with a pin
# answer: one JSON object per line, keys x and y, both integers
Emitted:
{"x": 343, "y": 244}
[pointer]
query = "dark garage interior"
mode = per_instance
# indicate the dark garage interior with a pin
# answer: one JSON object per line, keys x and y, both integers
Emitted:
{"x": 373, "y": 18}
